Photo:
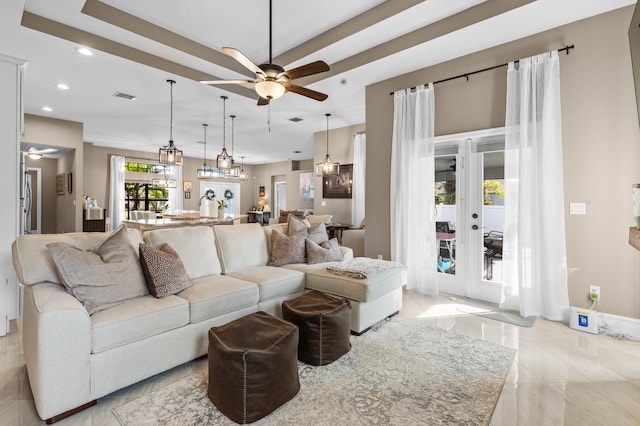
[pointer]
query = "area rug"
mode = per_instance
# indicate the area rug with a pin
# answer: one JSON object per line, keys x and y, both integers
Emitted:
{"x": 401, "y": 372}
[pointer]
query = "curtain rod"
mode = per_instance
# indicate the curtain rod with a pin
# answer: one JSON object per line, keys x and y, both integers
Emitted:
{"x": 467, "y": 74}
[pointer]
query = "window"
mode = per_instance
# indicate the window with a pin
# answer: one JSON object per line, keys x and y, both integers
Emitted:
{"x": 140, "y": 194}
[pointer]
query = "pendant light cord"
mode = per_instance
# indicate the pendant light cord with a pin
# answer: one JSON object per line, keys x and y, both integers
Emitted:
{"x": 205, "y": 145}
{"x": 232, "y": 132}
{"x": 270, "y": 34}
{"x": 224, "y": 121}
{"x": 171, "y": 83}
{"x": 327, "y": 134}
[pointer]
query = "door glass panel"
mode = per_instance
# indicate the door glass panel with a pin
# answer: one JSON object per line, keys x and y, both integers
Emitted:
{"x": 446, "y": 212}
{"x": 492, "y": 215}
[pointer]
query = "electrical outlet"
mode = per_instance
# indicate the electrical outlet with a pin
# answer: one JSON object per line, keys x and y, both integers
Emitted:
{"x": 380, "y": 256}
{"x": 594, "y": 293}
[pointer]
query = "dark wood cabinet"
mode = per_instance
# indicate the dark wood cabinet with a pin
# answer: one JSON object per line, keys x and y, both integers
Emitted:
{"x": 93, "y": 225}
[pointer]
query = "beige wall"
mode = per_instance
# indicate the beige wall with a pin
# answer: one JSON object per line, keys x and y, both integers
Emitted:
{"x": 96, "y": 160}
{"x": 340, "y": 150}
{"x": 67, "y": 134}
{"x": 601, "y": 145}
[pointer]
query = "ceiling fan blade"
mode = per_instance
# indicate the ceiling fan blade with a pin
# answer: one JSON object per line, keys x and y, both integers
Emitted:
{"x": 263, "y": 101}
{"x": 239, "y": 56}
{"x": 249, "y": 84}
{"x": 305, "y": 92}
{"x": 305, "y": 70}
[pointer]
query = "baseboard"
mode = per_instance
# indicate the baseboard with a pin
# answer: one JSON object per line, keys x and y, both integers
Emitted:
{"x": 619, "y": 325}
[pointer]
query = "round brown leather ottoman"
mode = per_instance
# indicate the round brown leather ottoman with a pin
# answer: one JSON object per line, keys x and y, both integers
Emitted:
{"x": 253, "y": 368}
{"x": 325, "y": 326}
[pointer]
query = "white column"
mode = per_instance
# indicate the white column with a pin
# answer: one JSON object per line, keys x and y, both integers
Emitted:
{"x": 11, "y": 125}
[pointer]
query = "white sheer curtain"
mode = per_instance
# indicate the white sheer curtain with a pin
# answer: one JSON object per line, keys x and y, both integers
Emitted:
{"x": 413, "y": 240}
{"x": 116, "y": 190}
{"x": 535, "y": 261}
{"x": 359, "y": 178}
{"x": 175, "y": 194}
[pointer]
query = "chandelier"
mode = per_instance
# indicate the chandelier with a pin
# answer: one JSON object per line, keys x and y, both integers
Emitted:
{"x": 169, "y": 154}
{"x": 224, "y": 160}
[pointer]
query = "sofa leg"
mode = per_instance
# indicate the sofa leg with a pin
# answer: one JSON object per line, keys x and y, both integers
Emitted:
{"x": 355, "y": 333}
{"x": 71, "y": 412}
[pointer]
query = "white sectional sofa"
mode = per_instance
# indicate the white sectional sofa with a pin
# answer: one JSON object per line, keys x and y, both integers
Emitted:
{"x": 73, "y": 358}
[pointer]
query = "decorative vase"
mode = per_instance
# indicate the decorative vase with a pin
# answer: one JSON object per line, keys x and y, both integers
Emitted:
{"x": 220, "y": 213}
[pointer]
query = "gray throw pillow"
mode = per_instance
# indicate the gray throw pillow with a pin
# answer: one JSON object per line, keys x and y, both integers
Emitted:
{"x": 285, "y": 249}
{"x": 100, "y": 279}
{"x": 329, "y": 251}
{"x": 295, "y": 224}
{"x": 318, "y": 233}
{"x": 163, "y": 270}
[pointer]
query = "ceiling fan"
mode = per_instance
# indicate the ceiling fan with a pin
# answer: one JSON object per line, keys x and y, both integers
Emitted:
{"x": 36, "y": 154}
{"x": 272, "y": 81}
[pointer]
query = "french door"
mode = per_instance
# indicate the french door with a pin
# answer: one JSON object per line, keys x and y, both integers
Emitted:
{"x": 469, "y": 194}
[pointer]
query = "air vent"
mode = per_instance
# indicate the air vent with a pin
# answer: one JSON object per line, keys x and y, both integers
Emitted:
{"x": 297, "y": 152}
{"x": 295, "y": 119}
{"x": 124, "y": 96}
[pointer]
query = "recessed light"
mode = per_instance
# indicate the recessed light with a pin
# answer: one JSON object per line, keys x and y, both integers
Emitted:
{"x": 85, "y": 51}
{"x": 62, "y": 86}
{"x": 46, "y": 108}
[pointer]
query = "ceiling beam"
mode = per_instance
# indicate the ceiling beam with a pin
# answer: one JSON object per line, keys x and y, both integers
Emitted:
{"x": 458, "y": 21}
{"x": 129, "y": 22}
{"x": 84, "y": 38}
{"x": 346, "y": 29}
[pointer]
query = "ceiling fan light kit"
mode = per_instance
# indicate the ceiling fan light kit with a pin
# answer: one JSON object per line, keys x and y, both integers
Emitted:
{"x": 169, "y": 154}
{"x": 272, "y": 81}
{"x": 328, "y": 166}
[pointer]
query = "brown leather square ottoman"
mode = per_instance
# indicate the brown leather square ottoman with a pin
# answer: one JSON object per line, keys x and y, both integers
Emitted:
{"x": 325, "y": 324}
{"x": 253, "y": 368}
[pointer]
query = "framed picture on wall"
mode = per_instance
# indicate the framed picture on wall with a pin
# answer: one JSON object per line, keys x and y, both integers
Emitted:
{"x": 338, "y": 186}
{"x": 70, "y": 183}
{"x": 60, "y": 184}
{"x": 187, "y": 195}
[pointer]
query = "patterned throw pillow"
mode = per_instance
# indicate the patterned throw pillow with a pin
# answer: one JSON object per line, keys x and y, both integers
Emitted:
{"x": 329, "y": 251}
{"x": 163, "y": 270}
{"x": 100, "y": 279}
{"x": 285, "y": 249}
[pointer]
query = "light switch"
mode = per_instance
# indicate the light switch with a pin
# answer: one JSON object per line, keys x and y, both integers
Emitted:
{"x": 323, "y": 204}
{"x": 577, "y": 208}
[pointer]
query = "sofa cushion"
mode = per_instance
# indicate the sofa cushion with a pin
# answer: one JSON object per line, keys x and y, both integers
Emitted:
{"x": 32, "y": 259}
{"x": 287, "y": 249}
{"x": 241, "y": 246}
{"x": 319, "y": 218}
{"x": 136, "y": 319}
{"x": 215, "y": 295}
{"x": 296, "y": 224}
{"x": 163, "y": 270}
{"x": 273, "y": 281}
{"x": 194, "y": 244}
{"x": 102, "y": 279}
{"x": 328, "y": 251}
{"x": 363, "y": 290}
{"x": 283, "y": 215}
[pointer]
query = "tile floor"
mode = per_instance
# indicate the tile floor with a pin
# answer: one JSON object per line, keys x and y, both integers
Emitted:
{"x": 559, "y": 376}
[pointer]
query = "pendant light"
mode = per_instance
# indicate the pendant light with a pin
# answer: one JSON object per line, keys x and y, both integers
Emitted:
{"x": 224, "y": 160}
{"x": 169, "y": 154}
{"x": 205, "y": 172}
{"x": 327, "y": 167}
{"x": 244, "y": 176}
{"x": 234, "y": 171}
{"x": 164, "y": 181}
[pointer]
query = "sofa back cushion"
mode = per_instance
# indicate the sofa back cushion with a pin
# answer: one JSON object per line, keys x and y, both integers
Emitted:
{"x": 194, "y": 244}
{"x": 241, "y": 246}
{"x": 107, "y": 277}
{"x": 33, "y": 262}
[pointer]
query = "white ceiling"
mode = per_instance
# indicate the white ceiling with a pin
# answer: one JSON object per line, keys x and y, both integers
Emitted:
{"x": 303, "y": 31}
